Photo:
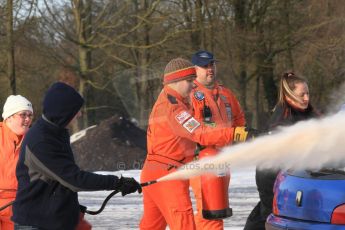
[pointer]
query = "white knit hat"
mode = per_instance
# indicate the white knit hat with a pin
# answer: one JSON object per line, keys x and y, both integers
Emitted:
{"x": 14, "y": 104}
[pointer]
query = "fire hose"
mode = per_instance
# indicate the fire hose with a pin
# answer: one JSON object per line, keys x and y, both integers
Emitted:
{"x": 103, "y": 204}
{"x": 111, "y": 195}
{"x": 6, "y": 205}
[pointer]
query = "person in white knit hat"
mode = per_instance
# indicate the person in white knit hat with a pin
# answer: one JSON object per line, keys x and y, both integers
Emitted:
{"x": 17, "y": 114}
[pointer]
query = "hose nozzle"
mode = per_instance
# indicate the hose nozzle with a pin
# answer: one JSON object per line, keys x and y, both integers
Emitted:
{"x": 148, "y": 183}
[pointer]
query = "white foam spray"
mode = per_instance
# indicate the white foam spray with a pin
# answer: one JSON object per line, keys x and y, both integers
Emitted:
{"x": 337, "y": 97}
{"x": 311, "y": 144}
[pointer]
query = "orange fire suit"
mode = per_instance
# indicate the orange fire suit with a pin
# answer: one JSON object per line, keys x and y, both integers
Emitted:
{"x": 171, "y": 141}
{"x": 9, "y": 153}
{"x": 215, "y": 107}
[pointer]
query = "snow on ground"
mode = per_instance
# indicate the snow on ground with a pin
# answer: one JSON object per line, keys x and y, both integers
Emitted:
{"x": 124, "y": 213}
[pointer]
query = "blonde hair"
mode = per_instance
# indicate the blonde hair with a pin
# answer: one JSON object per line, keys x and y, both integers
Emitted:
{"x": 287, "y": 85}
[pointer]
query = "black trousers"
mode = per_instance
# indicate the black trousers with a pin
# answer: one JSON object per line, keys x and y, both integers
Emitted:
{"x": 264, "y": 181}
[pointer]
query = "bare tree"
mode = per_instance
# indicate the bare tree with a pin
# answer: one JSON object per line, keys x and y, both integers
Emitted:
{"x": 82, "y": 11}
{"x": 11, "y": 73}
{"x": 114, "y": 51}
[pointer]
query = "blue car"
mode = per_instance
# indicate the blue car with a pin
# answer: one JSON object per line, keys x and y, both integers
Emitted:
{"x": 313, "y": 200}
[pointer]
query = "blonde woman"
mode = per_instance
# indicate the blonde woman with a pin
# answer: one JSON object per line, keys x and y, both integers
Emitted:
{"x": 293, "y": 106}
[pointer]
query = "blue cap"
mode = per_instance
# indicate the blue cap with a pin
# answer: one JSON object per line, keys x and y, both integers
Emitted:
{"x": 202, "y": 58}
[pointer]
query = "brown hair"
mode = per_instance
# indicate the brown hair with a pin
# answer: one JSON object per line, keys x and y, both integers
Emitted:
{"x": 287, "y": 84}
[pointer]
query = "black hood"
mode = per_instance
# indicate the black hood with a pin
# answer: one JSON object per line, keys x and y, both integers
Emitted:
{"x": 61, "y": 103}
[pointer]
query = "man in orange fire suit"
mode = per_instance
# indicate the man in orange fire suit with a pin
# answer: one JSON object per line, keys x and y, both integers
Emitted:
{"x": 213, "y": 105}
{"x": 17, "y": 115}
{"x": 172, "y": 135}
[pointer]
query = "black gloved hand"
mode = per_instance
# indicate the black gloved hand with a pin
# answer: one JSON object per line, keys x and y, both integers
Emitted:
{"x": 128, "y": 185}
{"x": 252, "y": 133}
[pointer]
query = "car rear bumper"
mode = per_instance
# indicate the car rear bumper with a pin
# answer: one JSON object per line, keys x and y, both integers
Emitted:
{"x": 278, "y": 223}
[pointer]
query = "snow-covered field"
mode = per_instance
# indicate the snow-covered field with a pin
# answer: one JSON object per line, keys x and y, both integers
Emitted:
{"x": 123, "y": 213}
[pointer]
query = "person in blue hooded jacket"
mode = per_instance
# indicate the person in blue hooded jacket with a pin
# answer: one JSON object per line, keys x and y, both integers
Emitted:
{"x": 48, "y": 177}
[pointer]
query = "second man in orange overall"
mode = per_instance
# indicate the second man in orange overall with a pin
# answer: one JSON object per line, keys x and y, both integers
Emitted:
{"x": 172, "y": 135}
{"x": 214, "y": 105}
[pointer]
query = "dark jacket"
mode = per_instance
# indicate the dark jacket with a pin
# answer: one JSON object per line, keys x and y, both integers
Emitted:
{"x": 48, "y": 178}
{"x": 283, "y": 115}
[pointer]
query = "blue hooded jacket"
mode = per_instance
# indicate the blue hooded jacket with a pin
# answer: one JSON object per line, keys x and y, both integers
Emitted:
{"x": 48, "y": 178}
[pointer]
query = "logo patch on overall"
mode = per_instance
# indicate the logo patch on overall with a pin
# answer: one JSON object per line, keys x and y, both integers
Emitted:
{"x": 182, "y": 117}
{"x": 191, "y": 124}
{"x": 199, "y": 95}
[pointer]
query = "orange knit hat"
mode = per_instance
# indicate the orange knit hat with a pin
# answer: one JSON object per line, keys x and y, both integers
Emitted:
{"x": 178, "y": 69}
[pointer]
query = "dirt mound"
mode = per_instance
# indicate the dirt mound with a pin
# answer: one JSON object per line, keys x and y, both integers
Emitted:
{"x": 115, "y": 144}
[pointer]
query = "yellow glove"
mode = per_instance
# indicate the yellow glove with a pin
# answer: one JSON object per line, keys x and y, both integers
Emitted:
{"x": 240, "y": 134}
